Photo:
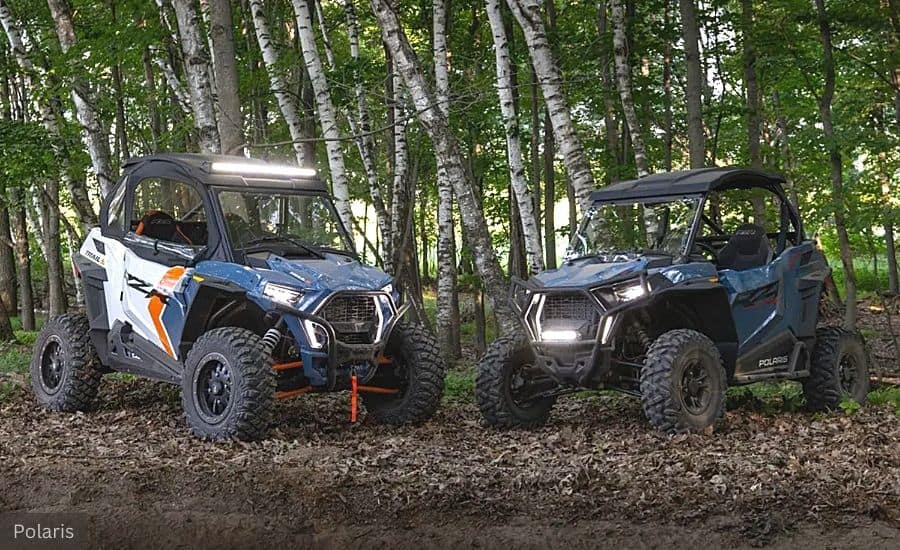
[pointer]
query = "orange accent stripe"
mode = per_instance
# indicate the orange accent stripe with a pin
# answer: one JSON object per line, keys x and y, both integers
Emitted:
{"x": 376, "y": 389}
{"x": 287, "y": 366}
{"x": 292, "y": 393}
{"x": 156, "y": 308}
{"x": 385, "y": 360}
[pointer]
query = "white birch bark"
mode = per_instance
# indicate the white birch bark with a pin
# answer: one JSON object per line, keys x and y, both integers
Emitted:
{"x": 325, "y": 109}
{"x": 181, "y": 95}
{"x": 528, "y": 15}
{"x": 623, "y": 82}
{"x": 362, "y": 127}
{"x": 400, "y": 198}
{"x": 95, "y": 136}
{"x": 286, "y": 102}
{"x": 533, "y": 249}
{"x": 447, "y": 300}
{"x": 326, "y": 42}
{"x": 196, "y": 67}
{"x": 205, "y": 10}
{"x": 49, "y": 119}
{"x": 450, "y": 156}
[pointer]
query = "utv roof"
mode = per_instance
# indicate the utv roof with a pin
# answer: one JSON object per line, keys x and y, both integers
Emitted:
{"x": 226, "y": 171}
{"x": 689, "y": 182}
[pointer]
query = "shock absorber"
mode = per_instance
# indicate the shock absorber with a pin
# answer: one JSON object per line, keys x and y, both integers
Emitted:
{"x": 272, "y": 337}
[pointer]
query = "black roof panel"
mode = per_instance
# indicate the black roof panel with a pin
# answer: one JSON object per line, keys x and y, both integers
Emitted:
{"x": 688, "y": 182}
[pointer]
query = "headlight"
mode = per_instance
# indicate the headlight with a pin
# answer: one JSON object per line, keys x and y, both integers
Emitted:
{"x": 315, "y": 334}
{"x": 626, "y": 293}
{"x": 389, "y": 288}
{"x": 282, "y": 294}
{"x": 559, "y": 335}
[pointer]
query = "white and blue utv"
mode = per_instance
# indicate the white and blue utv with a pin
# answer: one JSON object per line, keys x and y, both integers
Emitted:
{"x": 669, "y": 292}
{"x": 236, "y": 279}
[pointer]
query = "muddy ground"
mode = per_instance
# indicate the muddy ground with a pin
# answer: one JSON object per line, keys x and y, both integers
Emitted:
{"x": 598, "y": 475}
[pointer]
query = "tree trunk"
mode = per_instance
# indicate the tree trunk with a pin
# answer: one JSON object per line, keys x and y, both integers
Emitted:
{"x": 549, "y": 192}
{"x": 231, "y": 122}
{"x": 23, "y": 259}
{"x": 447, "y": 291}
{"x": 51, "y": 231}
{"x": 535, "y": 153}
{"x": 889, "y": 216}
{"x": 152, "y": 101}
{"x": 50, "y": 119}
{"x": 362, "y": 127}
{"x": 325, "y": 108}
{"x": 609, "y": 95}
{"x": 753, "y": 115}
{"x": 668, "y": 118}
{"x": 787, "y": 161}
{"x": 6, "y": 330}
{"x": 95, "y": 135}
{"x": 834, "y": 153}
{"x": 286, "y": 102}
{"x": 528, "y": 14}
{"x": 623, "y": 78}
{"x": 121, "y": 140}
{"x": 694, "y": 86}
{"x": 524, "y": 201}
{"x": 196, "y": 67}
{"x": 450, "y": 157}
{"x": 8, "y": 290}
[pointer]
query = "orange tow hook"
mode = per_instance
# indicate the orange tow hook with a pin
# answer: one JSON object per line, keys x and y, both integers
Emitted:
{"x": 354, "y": 391}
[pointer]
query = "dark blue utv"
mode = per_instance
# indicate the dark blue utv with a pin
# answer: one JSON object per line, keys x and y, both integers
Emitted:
{"x": 670, "y": 293}
{"x": 237, "y": 280}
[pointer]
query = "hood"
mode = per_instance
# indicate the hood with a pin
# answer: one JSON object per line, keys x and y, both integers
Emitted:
{"x": 334, "y": 272}
{"x": 589, "y": 272}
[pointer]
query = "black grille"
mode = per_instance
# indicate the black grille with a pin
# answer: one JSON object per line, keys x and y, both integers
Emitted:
{"x": 350, "y": 309}
{"x": 354, "y": 318}
{"x": 574, "y": 306}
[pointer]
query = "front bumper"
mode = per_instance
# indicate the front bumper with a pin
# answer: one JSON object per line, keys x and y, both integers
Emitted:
{"x": 323, "y": 365}
{"x": 577, "y": 363}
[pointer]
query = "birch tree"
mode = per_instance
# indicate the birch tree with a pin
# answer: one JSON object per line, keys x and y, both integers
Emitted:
{"x": 196, "y": 67}
{"x": 447, "y": 296}
{"x": 50, "y": 119}
{"x": 325, "y": 109}
{"x": 450, "y": 156}
{"x": 528, "y": 15}
{"x": 286, "y": 102}
{"x": 95, "y": 135}
{"x": 533, "y": 249}
{"x": 231, "y": 121}
{"x": 362, "y": 128}
{"x": 694, "y": 83}
{"x": 623, "y": 83}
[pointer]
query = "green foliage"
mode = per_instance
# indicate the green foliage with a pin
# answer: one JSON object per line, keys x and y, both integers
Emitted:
{"x": 767, "y": 397}
{"x": 886, "y": 395}
{"x": 14, "y": 358}
{"x": 460, "y": 385}
{"x": 849, "y": 406}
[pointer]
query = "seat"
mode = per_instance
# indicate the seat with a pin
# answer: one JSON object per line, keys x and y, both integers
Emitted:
{"x": 746, "y": 249}
{"x": 160, "y": 225}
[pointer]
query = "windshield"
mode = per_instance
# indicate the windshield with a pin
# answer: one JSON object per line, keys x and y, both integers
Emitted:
{"x": 621, "y": 231}
{"x": 294, "y": 223}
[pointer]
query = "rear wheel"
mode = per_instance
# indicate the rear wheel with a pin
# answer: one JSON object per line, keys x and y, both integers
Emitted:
{"x": 65, "y": 369}
{"x": 505, "y": 388}
{"x": 417, "y": 371}
{"x": 838, "y": 370}
{"x": 228, "y": 386}
{"x": 683, "y": 382}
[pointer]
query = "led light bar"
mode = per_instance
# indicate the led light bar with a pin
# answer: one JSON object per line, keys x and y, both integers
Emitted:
{"x": 251, "y": 169}
{"x": 559, "y": 335}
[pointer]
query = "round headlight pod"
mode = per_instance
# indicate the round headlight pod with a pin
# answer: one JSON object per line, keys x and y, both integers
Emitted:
{"x": 389, "y": 288}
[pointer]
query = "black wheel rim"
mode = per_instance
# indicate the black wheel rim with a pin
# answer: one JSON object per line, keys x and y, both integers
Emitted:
{"x": 213, "y": 388}
{"x": 847, "y": 370}
{"x": 52, "y": 369}
{"x": 696, "y": 392}
{"x": 520, "y": 387}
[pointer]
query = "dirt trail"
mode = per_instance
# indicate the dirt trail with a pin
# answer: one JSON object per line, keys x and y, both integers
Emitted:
{"x": 597, "y": 475}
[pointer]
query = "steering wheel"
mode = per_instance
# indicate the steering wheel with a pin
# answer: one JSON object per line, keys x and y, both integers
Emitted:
{"x": 708, "y": 251}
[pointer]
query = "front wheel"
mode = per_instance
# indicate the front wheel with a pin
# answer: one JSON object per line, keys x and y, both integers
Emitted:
{"x": 416, "y": 370}
{"x": 506, "y": 386}
{"x": 838, "y": 370}
{"x": 228, "y": 386}
{"x": 65, "y": 369}
{"x": 683, "y": 382}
